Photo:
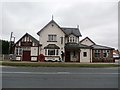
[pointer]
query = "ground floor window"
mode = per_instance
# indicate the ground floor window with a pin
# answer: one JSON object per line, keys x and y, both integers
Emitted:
{"x": 84, "y": 54}
{"x": 52, "y": 52}
{"x": 106, "y": 53}
{"x": 97, "y": 53}
{"x": 19, "y": 51}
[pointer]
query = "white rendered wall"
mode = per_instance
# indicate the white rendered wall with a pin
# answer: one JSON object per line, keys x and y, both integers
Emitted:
{"x": 34, "y": 51}
{"x": 85, "y": 59}
{"x": 43, "y": 38}
{"x": 87, "y": 42}
{"x": 33, "y": 58}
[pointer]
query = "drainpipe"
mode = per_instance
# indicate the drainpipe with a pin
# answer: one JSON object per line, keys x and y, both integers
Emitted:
{"x": 90, "y": 55}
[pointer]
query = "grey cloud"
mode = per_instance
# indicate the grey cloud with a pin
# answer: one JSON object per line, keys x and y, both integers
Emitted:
{"x": 97, "y": 20}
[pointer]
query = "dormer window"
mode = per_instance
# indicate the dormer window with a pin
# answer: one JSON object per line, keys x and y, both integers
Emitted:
{"x": 72, "y": 39}
{"x": 52, "y": 37}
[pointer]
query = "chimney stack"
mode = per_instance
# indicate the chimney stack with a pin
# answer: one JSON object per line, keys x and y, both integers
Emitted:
{"x": 78, "y": 26}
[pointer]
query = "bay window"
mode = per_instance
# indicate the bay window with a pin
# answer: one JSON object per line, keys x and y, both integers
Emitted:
{"x": 51, "y": 52}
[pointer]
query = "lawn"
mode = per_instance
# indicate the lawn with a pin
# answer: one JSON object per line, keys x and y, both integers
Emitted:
{"x": 56, "y": 64}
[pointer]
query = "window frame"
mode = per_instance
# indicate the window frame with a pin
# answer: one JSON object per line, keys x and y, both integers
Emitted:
{"x": 97, "y": 53}
{"x": 52, "y": 37}
{"x": 84, "y": 54}
{"x": 106, "y": 53}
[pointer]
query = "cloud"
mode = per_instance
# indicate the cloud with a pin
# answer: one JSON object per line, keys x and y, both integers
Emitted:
{"x": 98, "y": 20}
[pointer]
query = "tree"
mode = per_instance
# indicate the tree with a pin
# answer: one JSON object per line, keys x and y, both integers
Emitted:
{"x": 5, "y": 46}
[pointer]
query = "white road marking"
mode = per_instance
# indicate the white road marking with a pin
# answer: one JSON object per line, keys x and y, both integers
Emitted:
{"x": 57, "y": 73}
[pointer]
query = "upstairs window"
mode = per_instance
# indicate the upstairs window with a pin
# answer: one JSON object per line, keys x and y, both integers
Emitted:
{"x": 52, "y": 37}
{"x": 61, "y": 40}
{"x": 72, "y": 39}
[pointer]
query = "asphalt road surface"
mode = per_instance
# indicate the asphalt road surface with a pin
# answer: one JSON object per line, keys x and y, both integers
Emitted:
{"x": 59, "y": 77}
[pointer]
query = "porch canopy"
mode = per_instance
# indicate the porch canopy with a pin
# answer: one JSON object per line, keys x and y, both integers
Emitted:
{"x": 51, "y": 46}
{"x": 72, "y": 46}
{"x": 75, "y": 46}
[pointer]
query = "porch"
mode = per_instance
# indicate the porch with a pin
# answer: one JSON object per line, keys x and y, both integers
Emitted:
{"x": 72, "y": 52}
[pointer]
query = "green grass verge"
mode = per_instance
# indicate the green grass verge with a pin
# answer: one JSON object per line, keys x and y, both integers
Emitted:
{"x": 46, "y": 64}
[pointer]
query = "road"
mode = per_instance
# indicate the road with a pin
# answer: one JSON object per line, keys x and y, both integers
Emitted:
{"x": 59, "y": 77}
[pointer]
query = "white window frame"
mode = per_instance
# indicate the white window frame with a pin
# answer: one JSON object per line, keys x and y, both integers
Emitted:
{"x": 107, "y": 53}
{"x": 52, "y": 37}
{"x": 56, "y": 52}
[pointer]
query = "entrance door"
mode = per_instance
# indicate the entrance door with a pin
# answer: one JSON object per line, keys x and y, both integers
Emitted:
{"x": 26, "y": 56}
{"x": 67, "y": 56}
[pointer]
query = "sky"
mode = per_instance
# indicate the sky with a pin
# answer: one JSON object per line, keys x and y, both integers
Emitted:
{"x": 97, "y": 19}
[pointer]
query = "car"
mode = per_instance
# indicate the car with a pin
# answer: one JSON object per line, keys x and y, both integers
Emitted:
{"x": 116, "y": 56}
{"x": 53, "y": 60}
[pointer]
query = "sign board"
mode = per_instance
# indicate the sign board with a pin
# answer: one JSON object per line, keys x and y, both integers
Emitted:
{"x": 26, "y": 43}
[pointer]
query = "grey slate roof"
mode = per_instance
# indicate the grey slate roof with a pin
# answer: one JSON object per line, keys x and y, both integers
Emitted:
{"x": 69, "y": 31}
{"x": 51, "y": 46}
{"x": 100, "y": 47}
{"x": 84, "y": 46}
{"x": 75, "y": 46}
{"x": 72, "y": 46}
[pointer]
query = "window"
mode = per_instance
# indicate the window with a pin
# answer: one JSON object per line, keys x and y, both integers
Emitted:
{"x": 97, "y": 53}
{"x": 85, "y": 54}
{"x": 72, "y": 39}
{"x": 45, "y": 51}
{"x": 17, "y": 51}
{"x": 61, "y": 40}
{"x": 57, "y": 52}
{"x": 52, "y": 37}
{"x": 74, "y": 54}
{"x": 20, "y": 51}
{"x": 51, "y": 52}
{"x": 106, "y": 53}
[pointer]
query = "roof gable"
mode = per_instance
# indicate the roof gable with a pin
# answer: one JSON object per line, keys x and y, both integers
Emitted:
{"x": 67, "y": 31}
{"x": 87, "y": 41}
{"x": 52, "y": 21}
{"x": 28, "y": 35}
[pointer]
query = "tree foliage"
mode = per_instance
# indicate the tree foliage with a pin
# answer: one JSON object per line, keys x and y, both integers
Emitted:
{"x": 5, "y": 46}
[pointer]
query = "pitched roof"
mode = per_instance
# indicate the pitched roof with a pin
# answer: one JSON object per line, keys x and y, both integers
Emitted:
{"x": 74, "y": 31}
{"x": 100, "y": 47}
{"x": 67, "y": 31}
{"x": 52, "y": 21}
{"x": 72, "y": 46}
{"x": 51, "y": 46}
{"x": 75, "y": 46}
{"x": 31, "y": 37}
{"x": 84, "y": 46}
{"x": 88, "y": 39}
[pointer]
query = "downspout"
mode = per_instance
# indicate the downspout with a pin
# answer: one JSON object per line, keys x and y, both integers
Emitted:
{"x": 90, "y": 55}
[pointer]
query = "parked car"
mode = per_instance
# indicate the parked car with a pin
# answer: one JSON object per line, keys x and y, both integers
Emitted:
{"x": 53, "y": 60}
{"x": 116, "y": 56}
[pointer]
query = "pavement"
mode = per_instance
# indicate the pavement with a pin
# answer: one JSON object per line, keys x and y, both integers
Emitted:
{"x": 59, "y": 77}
